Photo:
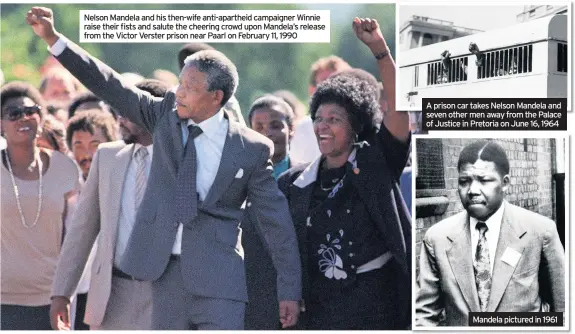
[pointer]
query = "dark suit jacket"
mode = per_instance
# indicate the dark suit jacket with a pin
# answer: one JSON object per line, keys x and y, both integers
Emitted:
{"x": 380, "y": 165}
{"x": 261, "y": 310}
{"x": 531, "y": 284}
{"x": 212, "y": 254}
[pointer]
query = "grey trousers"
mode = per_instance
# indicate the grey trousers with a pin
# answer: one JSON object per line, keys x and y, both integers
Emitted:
{"x": 176, "y": 308}
{"x": 129, "y": 306}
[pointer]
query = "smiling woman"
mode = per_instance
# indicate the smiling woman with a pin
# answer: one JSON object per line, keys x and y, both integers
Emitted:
{"x": 38, "y": 186}
{"x": 353, "y": 227}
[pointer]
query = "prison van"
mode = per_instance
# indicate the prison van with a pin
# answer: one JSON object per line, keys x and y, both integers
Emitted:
{"x": 524, "y": 60}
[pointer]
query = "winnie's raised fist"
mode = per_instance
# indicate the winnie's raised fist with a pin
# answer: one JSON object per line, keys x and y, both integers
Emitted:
{"x": 367, "y": 30}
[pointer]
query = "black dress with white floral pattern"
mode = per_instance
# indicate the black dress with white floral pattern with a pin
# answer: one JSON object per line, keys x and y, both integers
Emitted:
{"x": 340, "y": 238}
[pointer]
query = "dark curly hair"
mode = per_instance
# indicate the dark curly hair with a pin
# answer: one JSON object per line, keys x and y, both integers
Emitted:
{"x": 356, "y": 96}
{"x": 16, "y": 89}
{"x": 80, "y": 99}
{"x": 89, "y": 121}
{"x": 366, "y": 76}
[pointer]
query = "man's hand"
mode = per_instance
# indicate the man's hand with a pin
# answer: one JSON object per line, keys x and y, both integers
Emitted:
{"x": 42, "y": 21}
{"x": 367, "y": 30}
{"x": 289, "y": 312}
{"x": 60, "y": 313}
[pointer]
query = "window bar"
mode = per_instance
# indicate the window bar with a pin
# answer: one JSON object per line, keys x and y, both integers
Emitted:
{"x": 530, "y": 58}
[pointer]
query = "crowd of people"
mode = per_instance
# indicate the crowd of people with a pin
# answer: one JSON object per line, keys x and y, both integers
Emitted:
{"x": 150, "y": 203}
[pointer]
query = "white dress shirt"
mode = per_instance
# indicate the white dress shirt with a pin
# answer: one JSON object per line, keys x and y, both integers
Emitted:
{"x": 128, "y": 203}
{"x": 492, "y": 234}
{"x": 209, "y": 146}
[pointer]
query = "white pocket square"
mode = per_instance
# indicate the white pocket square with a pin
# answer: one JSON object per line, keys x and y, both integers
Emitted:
{"x": 240, "y": 173}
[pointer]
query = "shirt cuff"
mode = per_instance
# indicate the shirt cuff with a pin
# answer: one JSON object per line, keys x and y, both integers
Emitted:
{"x": 58, "y": 47}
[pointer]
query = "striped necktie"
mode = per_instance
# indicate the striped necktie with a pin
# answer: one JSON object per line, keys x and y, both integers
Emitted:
{"x": 482, "y": 267}
{"x": 141, "y": 176}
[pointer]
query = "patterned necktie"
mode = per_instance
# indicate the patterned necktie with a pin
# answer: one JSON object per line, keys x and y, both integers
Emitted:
{"x": 186, "y": 193}
{"x": 482, "y": 267}
{"x": 141, "y": 176}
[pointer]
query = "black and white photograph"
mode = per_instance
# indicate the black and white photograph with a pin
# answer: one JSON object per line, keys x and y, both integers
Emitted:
{"x": 490, "y": 228}
{"x": 482, "y": 51}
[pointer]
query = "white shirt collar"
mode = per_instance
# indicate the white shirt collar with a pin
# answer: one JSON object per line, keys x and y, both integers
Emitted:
{"x": 212, "y": 125}
{"x": 309, "y": 174}
{"x": 494, "y": 222}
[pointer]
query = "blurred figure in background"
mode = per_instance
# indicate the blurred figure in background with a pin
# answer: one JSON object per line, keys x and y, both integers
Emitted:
{"x": 299, "y": 109}
{"x": 59, "y": 112}
{"x": 85, "y": 132}
{"x": 189, "y": 49}
{"x": 323, "y": 68}
{"x": 59, "y": 87}
{"x": 132, "y": 78}
{"x": 53, "y": 135}
{"x": 107, "y": 207}
{"x": 405, "y": 181}
{"x": 86, "y": 101}
{"x": 232, "y": 107}
{"x": 303, "y": 145}
{"x": 166, "y": 77}
{"x": 38, "y": 190}
{"x": 49, "y": 63}
{"x": 272, "y": 117}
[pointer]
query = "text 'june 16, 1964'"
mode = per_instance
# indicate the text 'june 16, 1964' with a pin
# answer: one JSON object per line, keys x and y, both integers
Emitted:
{"x": 495, "y": 114}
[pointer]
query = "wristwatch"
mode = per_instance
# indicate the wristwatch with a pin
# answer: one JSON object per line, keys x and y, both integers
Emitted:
{"x": 381, "y": 55}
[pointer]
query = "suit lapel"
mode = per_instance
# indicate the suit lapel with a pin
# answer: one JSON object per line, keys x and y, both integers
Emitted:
{"x": 117, "y": 175}
{"x": 227, "y": 170}
{"x": 459, "y": 256}
{"x": 509, "y": 237}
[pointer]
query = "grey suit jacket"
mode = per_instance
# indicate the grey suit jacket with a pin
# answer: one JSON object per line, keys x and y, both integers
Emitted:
{"x": 532, "y": 284}
{"x": 96, "y": 214}
{"x": 212, "y": 254}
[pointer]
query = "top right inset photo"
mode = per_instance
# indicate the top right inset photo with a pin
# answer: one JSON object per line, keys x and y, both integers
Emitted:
{"x": 482, "y": 51}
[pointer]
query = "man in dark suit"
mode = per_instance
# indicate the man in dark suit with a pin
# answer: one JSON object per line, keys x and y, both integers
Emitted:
{"x": 492, "y": 257}
{"x": 186, "y": 237}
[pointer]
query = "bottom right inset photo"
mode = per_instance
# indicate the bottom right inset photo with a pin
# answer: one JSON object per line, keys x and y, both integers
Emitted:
{"x": 490, "y": 232}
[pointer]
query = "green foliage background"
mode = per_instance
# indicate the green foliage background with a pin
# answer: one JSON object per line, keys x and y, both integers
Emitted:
{"x": 262, "y": 67}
